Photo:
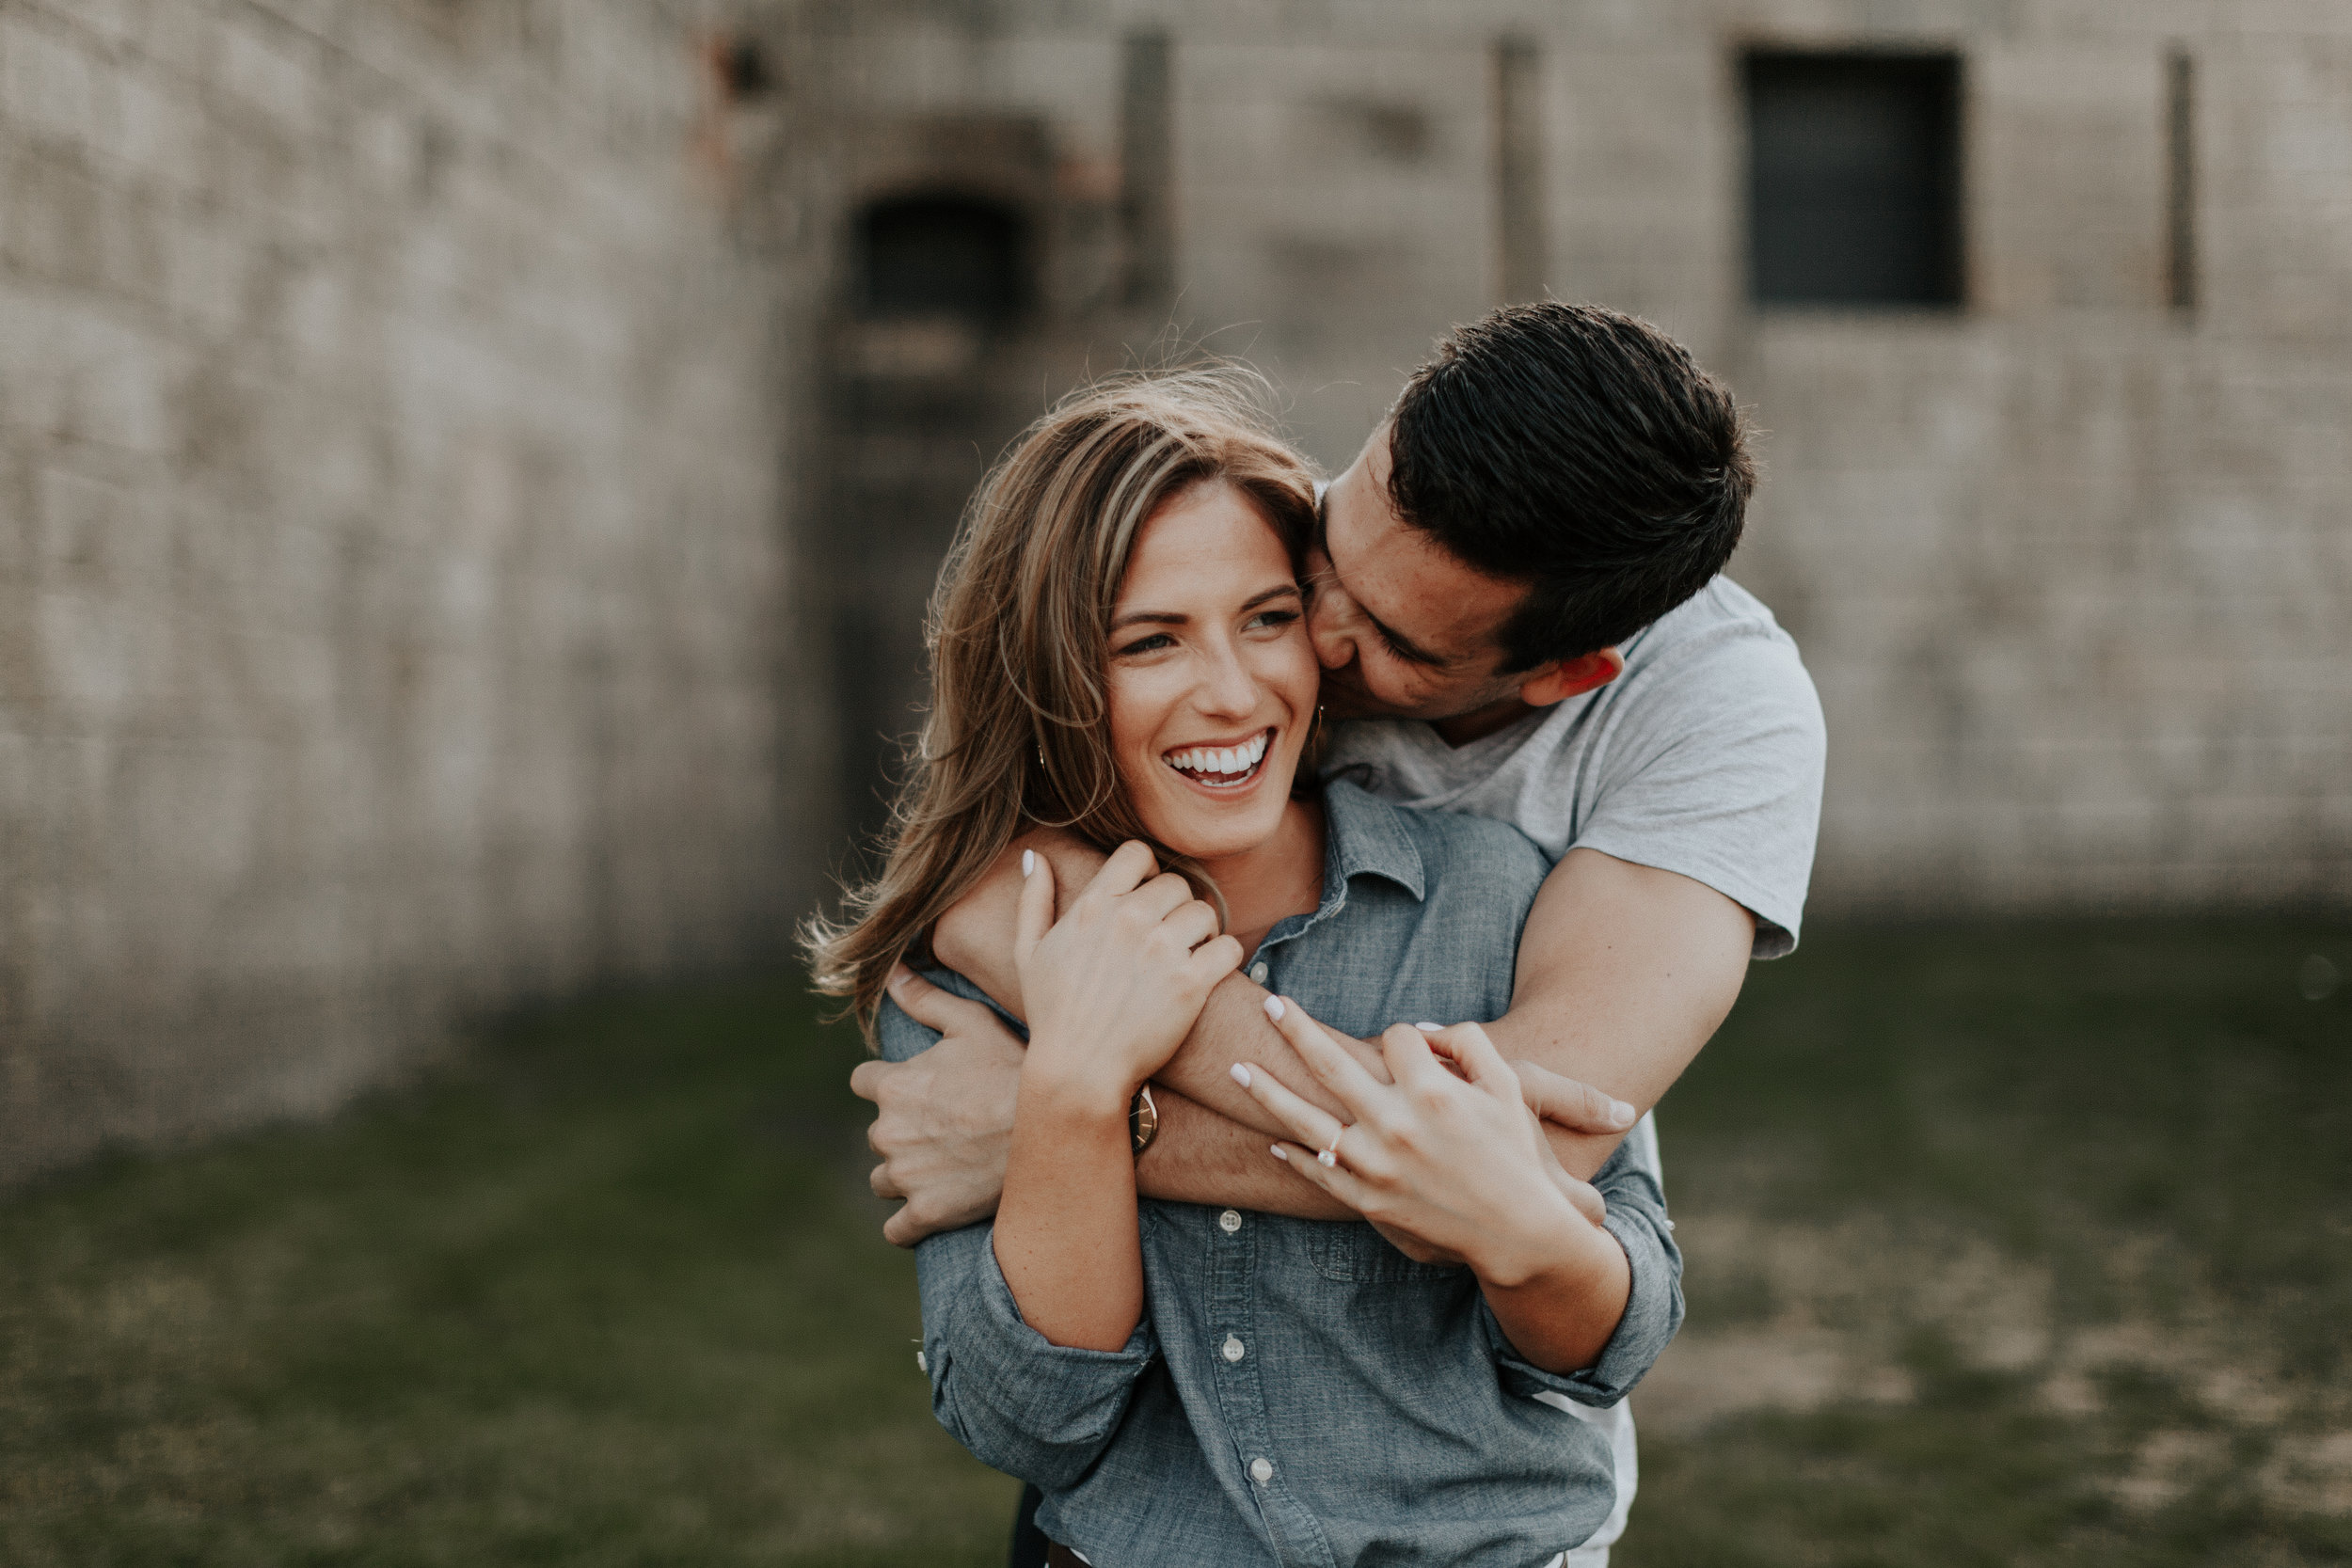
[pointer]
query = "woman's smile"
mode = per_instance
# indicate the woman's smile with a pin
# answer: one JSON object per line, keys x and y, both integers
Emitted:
{"x": 1224, "y": 767}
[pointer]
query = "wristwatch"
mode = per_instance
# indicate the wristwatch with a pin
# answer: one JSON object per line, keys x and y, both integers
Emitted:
{"x": 1143, "y": 1119}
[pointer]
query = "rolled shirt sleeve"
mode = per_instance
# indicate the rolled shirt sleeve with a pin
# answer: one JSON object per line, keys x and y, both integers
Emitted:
{"x": 1021, "y": 1404}
{"x": 1653, "y": 1307}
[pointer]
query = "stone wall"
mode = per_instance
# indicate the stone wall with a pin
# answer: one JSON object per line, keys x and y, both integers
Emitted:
{"x": 2072, "y": 567}
{"x": 396, "y": 594}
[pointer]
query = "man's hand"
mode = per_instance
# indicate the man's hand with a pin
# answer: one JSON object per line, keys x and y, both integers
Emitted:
{"x": 944, "y": 1120}
{"x": 1571, "y": 1106}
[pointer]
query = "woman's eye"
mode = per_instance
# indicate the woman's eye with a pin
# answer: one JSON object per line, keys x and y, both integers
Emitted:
{"x": 1151, "y": 644}
{"x": 1273, "y": 618}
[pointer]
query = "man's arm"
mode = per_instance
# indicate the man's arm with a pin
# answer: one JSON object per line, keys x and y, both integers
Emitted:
{"x": 1202, "y": 1157}
{"x": 1624, "y": 973}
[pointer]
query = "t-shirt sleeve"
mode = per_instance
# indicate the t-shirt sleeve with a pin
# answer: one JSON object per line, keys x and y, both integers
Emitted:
{"x": 1713, "y": 769}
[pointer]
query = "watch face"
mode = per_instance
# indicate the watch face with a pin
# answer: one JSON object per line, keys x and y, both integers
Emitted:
{"x": 1143, "y": 1118}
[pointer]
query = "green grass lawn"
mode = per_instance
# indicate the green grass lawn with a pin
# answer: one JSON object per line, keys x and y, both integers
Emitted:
{"x": 2066, "y": 1211}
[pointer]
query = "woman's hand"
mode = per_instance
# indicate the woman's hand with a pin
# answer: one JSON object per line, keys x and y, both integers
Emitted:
{"x": 1446, "y": 1154}
{"x": 1114, "y": 986}
{"x": 1448, "y": 1157}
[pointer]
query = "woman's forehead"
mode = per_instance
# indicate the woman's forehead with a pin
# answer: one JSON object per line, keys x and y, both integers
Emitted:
{"x": 1209, "y": 535}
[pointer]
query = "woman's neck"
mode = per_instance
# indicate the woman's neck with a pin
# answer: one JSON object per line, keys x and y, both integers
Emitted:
{"x": 1281, "y": 876}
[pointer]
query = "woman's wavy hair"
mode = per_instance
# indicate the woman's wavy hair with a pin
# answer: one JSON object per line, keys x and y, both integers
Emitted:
{"x": 1018, "y": 733}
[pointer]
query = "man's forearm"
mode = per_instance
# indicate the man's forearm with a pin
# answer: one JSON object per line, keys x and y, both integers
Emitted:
{"x": 1202, "y": 1157}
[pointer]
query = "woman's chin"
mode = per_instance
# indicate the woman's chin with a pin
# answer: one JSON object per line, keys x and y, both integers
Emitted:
{"x": 1204, "y": 827}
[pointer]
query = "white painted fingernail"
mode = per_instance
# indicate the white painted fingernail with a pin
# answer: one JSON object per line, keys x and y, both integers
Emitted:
{"x": 1241, "y": 1075}
{"x": 1429, "y": 1028}
{"x": 1274, "y": 1008}
{"x": 1327, "y": 1159}
{"x": 1280, "y": 1155}
{"x": 1028, "y": 862}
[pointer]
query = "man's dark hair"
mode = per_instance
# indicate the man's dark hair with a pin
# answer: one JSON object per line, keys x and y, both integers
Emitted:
{"x": 1583, "y": 452}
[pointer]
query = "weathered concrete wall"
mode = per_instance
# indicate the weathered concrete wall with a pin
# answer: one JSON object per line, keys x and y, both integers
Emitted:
{"x": 394, "y": 575}
{"x": 2072, "y": 569}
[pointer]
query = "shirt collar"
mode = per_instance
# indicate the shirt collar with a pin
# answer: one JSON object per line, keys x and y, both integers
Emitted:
{"x": 1364, "y": 836}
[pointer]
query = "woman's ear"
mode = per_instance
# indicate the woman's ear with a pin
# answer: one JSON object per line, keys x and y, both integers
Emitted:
{"x": 1564, "y": 678}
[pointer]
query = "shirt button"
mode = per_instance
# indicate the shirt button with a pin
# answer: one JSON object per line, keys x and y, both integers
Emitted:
{"x": 1233, "y": 1352}
{"x": 922, "y": 1362}
{"x": 1257, "y": 971}
{"x": 1260, "y": 1472}
{"x": 1229, "y": 1221}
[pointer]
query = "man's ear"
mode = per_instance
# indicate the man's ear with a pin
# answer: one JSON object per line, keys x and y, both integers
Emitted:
{"x": 1564, "y": 678}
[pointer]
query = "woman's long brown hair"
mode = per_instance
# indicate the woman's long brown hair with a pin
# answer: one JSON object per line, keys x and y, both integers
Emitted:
{"x": 1018, "y": 734}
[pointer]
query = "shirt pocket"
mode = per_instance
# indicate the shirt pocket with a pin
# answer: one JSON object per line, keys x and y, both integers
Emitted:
{"x": 1352, "y": 1253}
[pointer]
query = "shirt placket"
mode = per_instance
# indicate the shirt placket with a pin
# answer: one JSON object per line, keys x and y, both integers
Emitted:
{"x": 1239, "y": 1360}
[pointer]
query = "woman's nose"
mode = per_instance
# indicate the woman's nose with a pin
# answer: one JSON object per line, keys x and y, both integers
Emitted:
{"x": 1228, "y": 687}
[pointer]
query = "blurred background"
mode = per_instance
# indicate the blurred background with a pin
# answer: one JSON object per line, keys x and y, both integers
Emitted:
{"x": 470, "y": 473}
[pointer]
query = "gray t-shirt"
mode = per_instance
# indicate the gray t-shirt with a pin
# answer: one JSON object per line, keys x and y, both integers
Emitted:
{"x": 1704, "y": 757}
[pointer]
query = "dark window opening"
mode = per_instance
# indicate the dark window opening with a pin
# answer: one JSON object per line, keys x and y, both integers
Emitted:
{"x": 952, "y": 256}
{"x": 1853, "y": 178}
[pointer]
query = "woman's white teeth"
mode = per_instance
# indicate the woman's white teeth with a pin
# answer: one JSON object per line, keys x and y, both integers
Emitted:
{"x": 1221, "y": 759}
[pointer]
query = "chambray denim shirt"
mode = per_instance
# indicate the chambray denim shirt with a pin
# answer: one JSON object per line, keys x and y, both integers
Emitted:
{"x": 1299, "y": 1391}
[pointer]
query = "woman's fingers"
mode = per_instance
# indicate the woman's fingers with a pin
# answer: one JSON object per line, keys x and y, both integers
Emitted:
{"x": 1473, "y": 1057}
{"x": 1406, "y": 1049}
{"x": 1565, "y": 1103}
{"x": 1213, "y": 960}
{"x": 1337, "y": 1180}
{"x": 1582, "y": 1195}
{"x": 1164, "y": 894}
{"x": 1129, "y": 866}
{"x": 1193, "y": 922}
{"x": 1034, "y": 915}
{"x": 1308, "y": 1122}
{"x": 1332, "y": 1065}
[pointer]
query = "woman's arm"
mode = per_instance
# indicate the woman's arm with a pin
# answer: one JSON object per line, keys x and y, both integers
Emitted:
{"x": 1020, "y": 1403}
{"x": 1111, "y": 987}
{"x": 1447, "y": 1156}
